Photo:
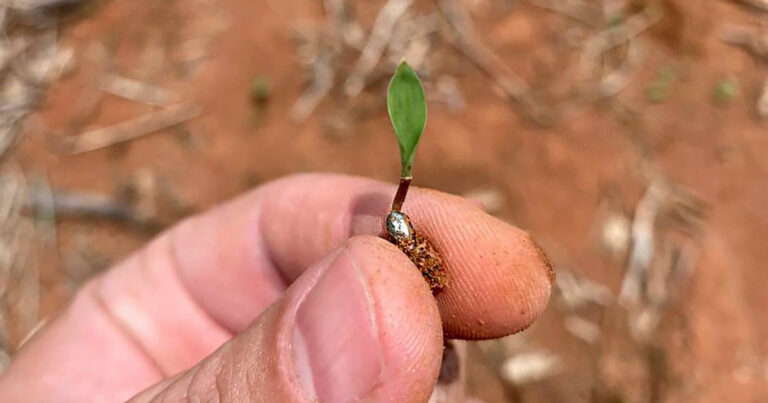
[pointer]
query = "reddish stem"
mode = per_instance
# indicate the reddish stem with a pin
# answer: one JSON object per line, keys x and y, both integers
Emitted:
{"x": 402, "y": 191}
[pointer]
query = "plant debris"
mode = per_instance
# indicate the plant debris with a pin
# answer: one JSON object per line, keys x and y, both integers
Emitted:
{"x": 136, "y": 90}
{"x": 132, "y": 129}
{"x": 464, "y": 37}
{"x": 582, "y": 329}
{"x": 575, "y": 293}
{"x": 397, "y": 33}
{"x": 19, "y": 253}
{"x": 381, "y": 32}
{"x": 530, "y": 367}
{"x": 754, "y": 41}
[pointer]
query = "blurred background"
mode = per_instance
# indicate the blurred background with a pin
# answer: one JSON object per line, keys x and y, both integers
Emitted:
{"x": 629, "y": 137}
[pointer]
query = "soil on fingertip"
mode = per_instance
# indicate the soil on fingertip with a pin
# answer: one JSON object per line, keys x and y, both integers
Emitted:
{"x": 426, "y": 258}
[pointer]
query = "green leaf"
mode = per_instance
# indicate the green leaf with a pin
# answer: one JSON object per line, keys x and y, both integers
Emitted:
{"x": 408, "y": 112}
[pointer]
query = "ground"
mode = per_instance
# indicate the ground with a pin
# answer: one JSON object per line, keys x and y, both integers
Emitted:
{"x": 551, "y": 181}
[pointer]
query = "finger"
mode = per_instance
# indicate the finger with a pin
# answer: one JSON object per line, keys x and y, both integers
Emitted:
{"x": 360, "y": 324}
{"x": 210, "y": 276}
{"x": 499, "y": 280}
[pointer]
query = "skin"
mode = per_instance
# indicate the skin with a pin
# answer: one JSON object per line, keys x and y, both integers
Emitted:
{"x": 286, "y": 294}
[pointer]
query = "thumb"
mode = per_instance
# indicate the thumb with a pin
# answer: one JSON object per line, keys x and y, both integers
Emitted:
{"x": 359, "y": 324}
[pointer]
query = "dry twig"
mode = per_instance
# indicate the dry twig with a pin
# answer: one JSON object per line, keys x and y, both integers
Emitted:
{"x": 467, "y": 41}
{"x": 575, "y": 9}
{"x": 582, "y": 329}
{"x": 87, "y": 205}
{"x": 318, "y": 57}
{"x": 576, "y": 292}
{"x": 137, "y": 91}
{"x": 41, "y": 9}
{"x": 19, "y": 286}
{"x": 615, "y": 81}
{"x": 410, "y": 40}
{"x": 342, "y": 25}
{"x": 29, "y": 61}
{"x": 381, "y": 33}
{"x": 132, "y": 129}
{"x": 615, "y": 36}
{"x": 756, "y": 43}
{"x": 659, "y": 261}
{"x": 530, "y": 366}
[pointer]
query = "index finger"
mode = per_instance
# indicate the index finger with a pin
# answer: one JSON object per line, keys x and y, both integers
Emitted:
{"x": 499, "y": 280}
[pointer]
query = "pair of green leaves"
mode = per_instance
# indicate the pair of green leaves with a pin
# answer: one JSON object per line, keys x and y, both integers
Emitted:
{"x": 407, "y": 109}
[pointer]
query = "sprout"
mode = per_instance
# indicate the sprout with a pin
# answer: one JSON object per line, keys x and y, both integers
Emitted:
{"x": 725, "y": 90}
{"x": 408, "y": 113}
{"x": 260, "y": 89}
{"x": 407, "y": 109}
{"x": 660, "y": 88}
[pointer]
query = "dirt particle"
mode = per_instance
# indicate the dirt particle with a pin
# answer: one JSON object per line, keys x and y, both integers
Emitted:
{"x": 551, "y": 274}
{"x": 421, "y": 252}
{"x": 425, "y": 257}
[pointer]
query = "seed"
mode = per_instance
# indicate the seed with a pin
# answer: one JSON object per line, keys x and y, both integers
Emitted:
{"x": 418, "y": 249}
{"x": 399, "y": 226}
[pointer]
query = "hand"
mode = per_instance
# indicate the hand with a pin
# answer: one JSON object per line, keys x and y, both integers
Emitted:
{"x": 284, "y": 295}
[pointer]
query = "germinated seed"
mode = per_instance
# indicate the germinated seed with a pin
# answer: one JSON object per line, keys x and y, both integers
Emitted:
{"x": 418, "y": 249}
{"x": 398, "y": 226}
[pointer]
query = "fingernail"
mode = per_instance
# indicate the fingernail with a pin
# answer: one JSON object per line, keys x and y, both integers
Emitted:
{"x": 336, "y": 340}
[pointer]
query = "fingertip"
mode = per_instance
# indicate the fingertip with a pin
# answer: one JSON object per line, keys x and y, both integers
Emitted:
{"x": 499, "y": 279}
{"x": 408, "y": 320}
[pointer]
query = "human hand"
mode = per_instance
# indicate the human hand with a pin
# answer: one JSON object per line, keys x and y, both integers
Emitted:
{"x": 284, "y": 295}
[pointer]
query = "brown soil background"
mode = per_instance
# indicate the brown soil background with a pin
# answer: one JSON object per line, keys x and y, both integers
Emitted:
{"x": 714, "y": 343}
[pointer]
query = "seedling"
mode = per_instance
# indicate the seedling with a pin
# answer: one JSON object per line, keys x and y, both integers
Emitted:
{"x": 260, "y": 90}
{"x": 407, "y": 109}
{"x": 725, "y": 90}
{"x": 660, "y": 88}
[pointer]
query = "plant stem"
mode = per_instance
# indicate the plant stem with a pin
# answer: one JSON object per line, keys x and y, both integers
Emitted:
{"x": 402, "y": 190}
